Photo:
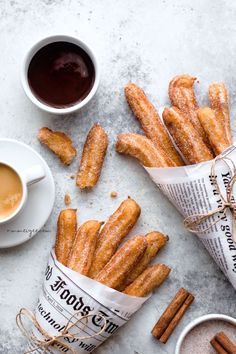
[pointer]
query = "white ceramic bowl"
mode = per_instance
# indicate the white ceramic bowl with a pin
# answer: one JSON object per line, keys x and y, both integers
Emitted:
{"x": 196, "y": 322}
{"x": 24, "y": 73}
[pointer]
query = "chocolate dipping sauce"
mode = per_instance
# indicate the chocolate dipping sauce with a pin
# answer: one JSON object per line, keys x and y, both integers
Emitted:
{"x": 61, "y": 74}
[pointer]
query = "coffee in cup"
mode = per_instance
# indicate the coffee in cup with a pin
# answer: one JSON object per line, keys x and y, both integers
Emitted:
{"x": 11, "y": 191}
{"x": 14, "y": 188}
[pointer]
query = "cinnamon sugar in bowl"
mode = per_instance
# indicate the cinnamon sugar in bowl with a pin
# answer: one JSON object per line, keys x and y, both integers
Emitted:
{"x": 196, "y": 336}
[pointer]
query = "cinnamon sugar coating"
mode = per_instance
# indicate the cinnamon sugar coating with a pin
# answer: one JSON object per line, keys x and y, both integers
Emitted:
{"x": 66, "y": 231}
{"x": 143, "y": 149}
{"x": 82, "y": 251}
{"x": 113, "y": 232}
{"x": 185, "y": 136}
{"x": 122, "y": 263}
{"x": 93, "y": 155}
{"x": 59, "y": 143}
{"x": 151, "y": 123}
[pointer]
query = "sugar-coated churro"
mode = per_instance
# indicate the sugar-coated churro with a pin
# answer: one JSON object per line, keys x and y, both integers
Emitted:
{"x": 148, "y": 280}
{"x": 116, "y": 228}
{"x": 185, "y": 136}
{"x": 182, "y": 96}
{"x": 66, "y": 231}
{"x": 82, "y": 251}
{"x": 155, "y": 241}
{"x": 218, "y": 96}
{"x": 143, "y": 149}
{"x": 93, "y": 155}
{"x": 214, "y": 129}
{"x": 122, "y": 263}
{"x": 59, "y": 143}
{"x": 151, "y": 123}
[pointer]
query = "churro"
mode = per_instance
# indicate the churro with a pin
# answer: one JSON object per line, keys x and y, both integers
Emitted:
{"x": 148, "y": 280}
{"x": 59, "y": 143}
{"x": 93, "y": 155}
{"x": 185, "y": 136}
{"x": 143, "y": 149}
{"x": 155, "y": 241}
{"x": 116, "y": 228}
{"x": 219, "y": 100}
{"x": 122, "y": 263}
{"x": 182, "y": 96}
{"x": 214, "y": 129}
{"x": 82, "y": 251}
{"x": 66, "y": 231}
{"x": 151, "y": 123}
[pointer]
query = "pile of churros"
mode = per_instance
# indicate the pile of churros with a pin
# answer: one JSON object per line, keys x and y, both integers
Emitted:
{"x": 95, "y": 250}
{"x": 187, "y": 135}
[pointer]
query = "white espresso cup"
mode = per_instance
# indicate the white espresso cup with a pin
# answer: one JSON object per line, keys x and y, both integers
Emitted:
{"x": 29, "y": 56}
{"x": 27, "y": 177}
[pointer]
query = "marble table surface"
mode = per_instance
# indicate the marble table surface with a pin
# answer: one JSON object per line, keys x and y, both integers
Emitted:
{"x": 148, "y": 42}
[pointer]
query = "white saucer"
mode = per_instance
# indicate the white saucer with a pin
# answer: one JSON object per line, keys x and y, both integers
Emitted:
{"x": 40, "y": 200}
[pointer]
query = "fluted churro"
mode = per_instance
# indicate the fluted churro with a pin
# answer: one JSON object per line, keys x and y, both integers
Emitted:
{"x": 148, "y": 280}
{"x": 151, "y": 123}
{"x": 66, "y": 231}
{"x": 155, "y": 241}
{"x": 122, "y": 263}
{"x": 116, "y": 228}
{"x": 181, "y": 93}
{"x": 219, "y": 100}
{"x": 82, "y": 251}
{"x": 59, "y": 143}
{"x": 94, "y": 152}
{"x": 143, "y": 149}
{"x": 214, "y": 129}
{"x": 185, "y": 136}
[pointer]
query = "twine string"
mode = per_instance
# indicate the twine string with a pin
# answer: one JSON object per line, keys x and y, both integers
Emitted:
{"x": 227, "y": 202}
{"x": 50, "y": 340}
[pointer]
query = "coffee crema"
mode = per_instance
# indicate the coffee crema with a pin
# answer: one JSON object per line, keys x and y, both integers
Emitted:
{"x": 61, "y": 74}
{"x": 11, "y": 191}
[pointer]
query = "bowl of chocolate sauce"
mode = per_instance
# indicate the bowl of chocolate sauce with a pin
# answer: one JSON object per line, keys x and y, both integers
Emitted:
{"x": 60, "y": 74}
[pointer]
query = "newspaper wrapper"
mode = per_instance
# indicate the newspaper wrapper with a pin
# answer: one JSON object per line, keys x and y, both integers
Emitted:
{"x": 192, "y": 191}
{"x": 66, "y": 293}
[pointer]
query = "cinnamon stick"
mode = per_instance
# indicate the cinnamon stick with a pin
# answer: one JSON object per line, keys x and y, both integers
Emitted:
{"x": 165, "y": 336}
{"x": 223, "y": 344}
{"x": 218, "y": 348}
{"x": 169, "y": 313}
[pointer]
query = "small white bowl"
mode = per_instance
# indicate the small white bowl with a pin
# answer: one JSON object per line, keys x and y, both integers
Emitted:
{"x": 24, "y": 73}
{"x": 196, "y": 322}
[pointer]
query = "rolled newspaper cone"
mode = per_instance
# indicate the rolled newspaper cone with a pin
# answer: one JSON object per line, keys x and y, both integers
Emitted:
{"x": 204, "y": 195}
{"x": 67, "y": 297}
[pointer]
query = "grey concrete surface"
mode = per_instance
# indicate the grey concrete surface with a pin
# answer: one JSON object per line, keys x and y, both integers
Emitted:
{"x": 148, "y": 42}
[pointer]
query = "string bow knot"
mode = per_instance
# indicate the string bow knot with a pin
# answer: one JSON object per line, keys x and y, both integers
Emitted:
{"x": 227, "y": 201}
{"x": 50, "y": 340}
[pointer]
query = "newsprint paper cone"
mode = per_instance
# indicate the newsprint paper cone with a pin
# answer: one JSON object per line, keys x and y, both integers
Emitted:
{"x": 65, "y": 293}
{"x": 192, "y": 191}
